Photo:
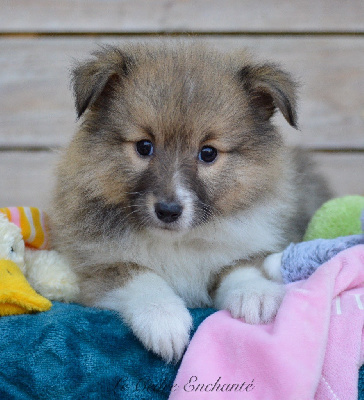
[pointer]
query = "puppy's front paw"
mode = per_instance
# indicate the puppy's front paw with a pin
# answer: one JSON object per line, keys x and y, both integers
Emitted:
{"x": 272, "y": 265}
{"x": 156, "y": 315}
{"x": 164, "y": 329}
{"x": 255, "y": 299}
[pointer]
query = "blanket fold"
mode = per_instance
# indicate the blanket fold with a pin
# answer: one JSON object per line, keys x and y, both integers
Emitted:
{"x": 312, "y": 350}
{"x": 73, "y": 352}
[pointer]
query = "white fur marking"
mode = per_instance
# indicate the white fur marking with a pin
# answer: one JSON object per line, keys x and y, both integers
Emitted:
{"x": 247, "y": 294}
{"x": 272, "y": 266}
{"x": 187, "y": 259}
{"x": 157, "y": 316}
{"x": 186, "y": 199}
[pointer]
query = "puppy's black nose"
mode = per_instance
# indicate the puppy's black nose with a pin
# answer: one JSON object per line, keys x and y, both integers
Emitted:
{"x": 168, "y": 212}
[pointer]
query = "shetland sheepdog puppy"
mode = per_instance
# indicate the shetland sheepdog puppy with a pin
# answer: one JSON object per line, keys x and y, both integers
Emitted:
{"x": 177, "y": 185}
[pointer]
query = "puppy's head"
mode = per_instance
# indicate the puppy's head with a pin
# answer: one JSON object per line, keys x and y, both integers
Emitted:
{"x": 173, "y": 137}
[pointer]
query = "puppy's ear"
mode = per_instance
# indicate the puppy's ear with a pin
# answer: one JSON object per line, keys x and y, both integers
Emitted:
{"x": 90, "y": 78}
{"x": 269, "y": 88}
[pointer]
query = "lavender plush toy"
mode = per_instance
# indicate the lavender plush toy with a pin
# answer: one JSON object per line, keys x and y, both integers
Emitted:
{"x": 299, "y": 260}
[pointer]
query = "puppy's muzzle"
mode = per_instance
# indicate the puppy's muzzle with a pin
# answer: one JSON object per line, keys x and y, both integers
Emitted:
{"x": 168, "y": 212}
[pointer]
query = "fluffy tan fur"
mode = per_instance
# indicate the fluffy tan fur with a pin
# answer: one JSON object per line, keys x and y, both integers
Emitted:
{"x": 253, "y": 199}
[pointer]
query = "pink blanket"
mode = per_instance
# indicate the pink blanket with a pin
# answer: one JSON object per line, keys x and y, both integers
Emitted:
{"x": 312, "y": 350}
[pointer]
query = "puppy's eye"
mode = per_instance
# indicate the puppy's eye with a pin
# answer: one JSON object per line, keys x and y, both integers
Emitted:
{"x": 207, "y": 154}
{"x": 145, "y": 148}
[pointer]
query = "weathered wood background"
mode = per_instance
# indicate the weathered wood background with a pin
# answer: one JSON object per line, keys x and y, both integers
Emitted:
{"x": 320, "y": 41}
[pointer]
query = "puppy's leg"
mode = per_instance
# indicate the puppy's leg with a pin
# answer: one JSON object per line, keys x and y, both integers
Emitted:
{"x": 272, "y": 267}
{"x": 155, "y": 314}
{"x": 246, "y": 293}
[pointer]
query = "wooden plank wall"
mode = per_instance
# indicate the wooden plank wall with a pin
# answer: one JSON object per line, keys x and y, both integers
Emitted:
{"x": 320, "y": 42}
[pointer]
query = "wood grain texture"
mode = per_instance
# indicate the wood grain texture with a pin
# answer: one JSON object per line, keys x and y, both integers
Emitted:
{"x": 180, "y": 15}
{"x": 344, "y": 172}
{"x": 28, "y": 177}
{"x": 36, "y": 105}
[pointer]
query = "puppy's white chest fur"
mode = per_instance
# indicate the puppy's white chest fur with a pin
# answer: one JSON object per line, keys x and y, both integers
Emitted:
{"x": 187, "y": 263}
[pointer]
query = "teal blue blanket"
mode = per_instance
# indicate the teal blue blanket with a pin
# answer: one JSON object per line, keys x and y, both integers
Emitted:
{"x": 75, "y": 352}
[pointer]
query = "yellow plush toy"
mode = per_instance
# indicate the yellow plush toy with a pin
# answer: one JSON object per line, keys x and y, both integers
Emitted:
{"x": 26, "y": 264}
{"x": 16, "y": 295}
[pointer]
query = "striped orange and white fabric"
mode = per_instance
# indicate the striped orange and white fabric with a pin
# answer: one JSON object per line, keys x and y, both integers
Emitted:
{"x": 33, "y": 224}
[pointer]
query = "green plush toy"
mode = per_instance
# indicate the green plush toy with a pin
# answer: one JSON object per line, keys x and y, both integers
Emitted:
{"x": 337, "y": 217}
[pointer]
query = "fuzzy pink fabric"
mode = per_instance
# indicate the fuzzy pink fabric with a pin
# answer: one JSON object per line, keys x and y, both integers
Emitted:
{"x": 312, "y": 350}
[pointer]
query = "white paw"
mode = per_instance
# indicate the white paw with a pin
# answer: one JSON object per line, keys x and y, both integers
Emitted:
{"x": 155, "y": 314}
{"x": 273, "y": 266}
{"x": 164, "y": 329}
{"x": 254, "y": 298}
